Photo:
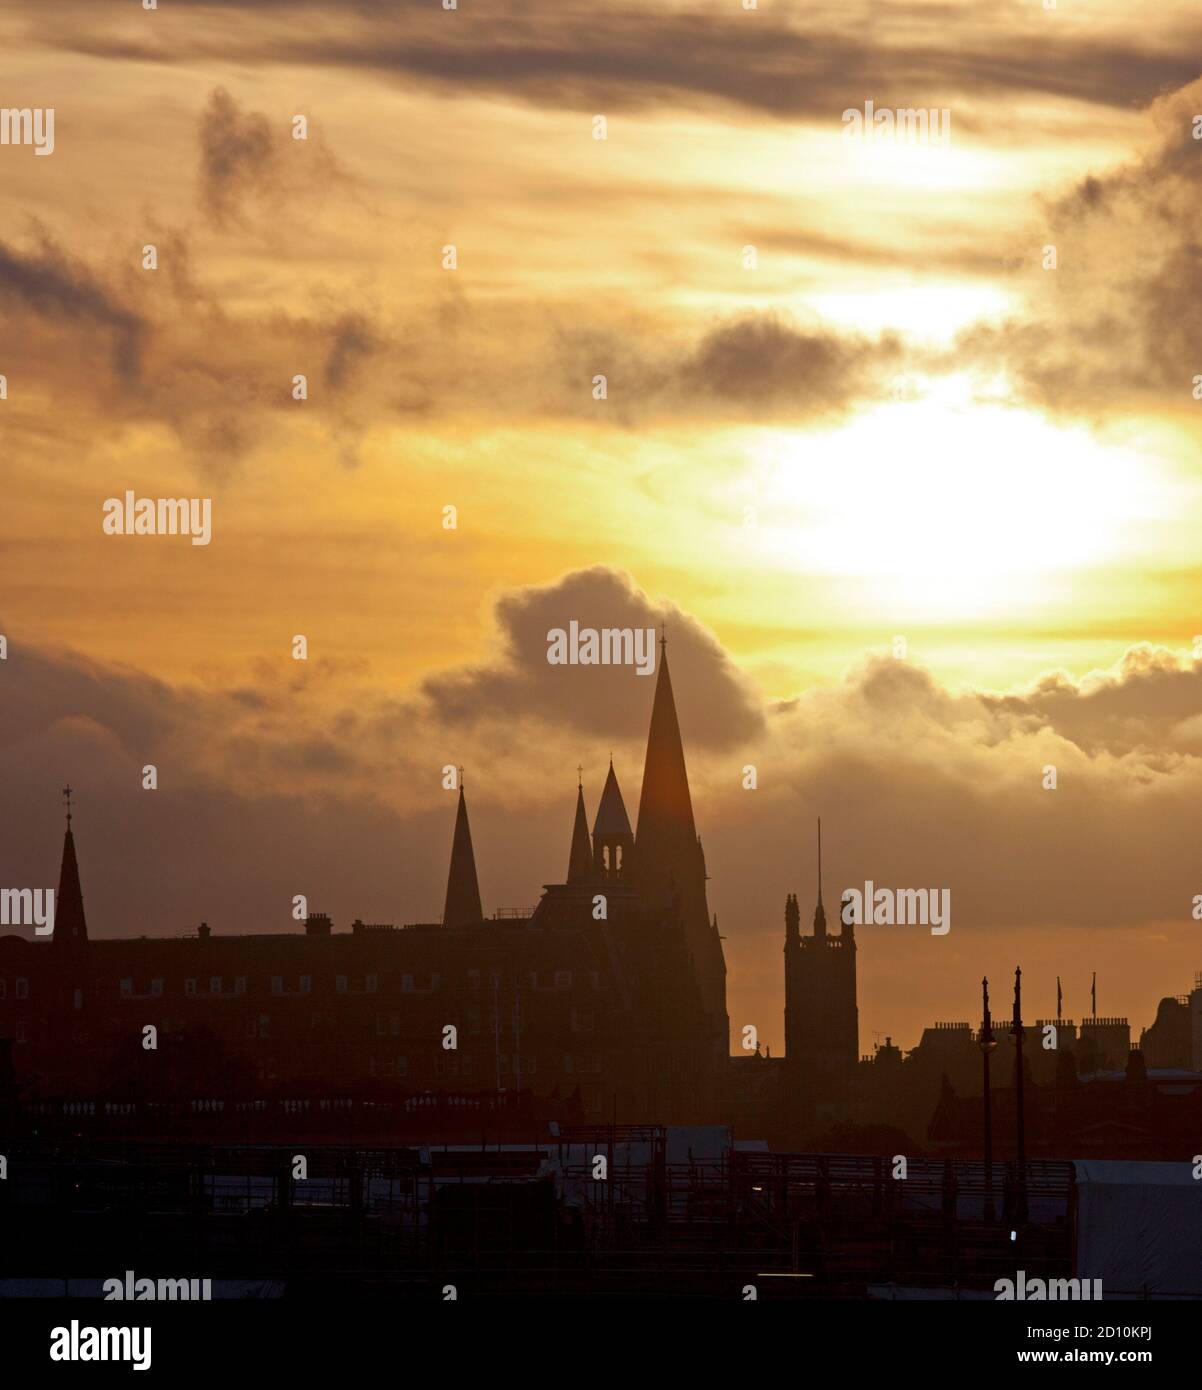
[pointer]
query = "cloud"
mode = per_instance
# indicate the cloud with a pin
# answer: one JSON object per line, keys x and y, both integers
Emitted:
{"x": 632, "y": 57}
{"x": 1118, "y": 322}
{"x": 49, "y": 285}
{"x": 717, "y": 704}
{"x": 246, "y": 159}
{"x": 238, "y": 155}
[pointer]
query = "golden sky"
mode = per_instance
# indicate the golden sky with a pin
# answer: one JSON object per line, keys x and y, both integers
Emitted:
{"x": 890, "y": 420}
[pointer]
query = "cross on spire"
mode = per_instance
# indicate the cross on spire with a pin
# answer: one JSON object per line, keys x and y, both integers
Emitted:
{"x": 67, "y": 803}
{"x": 460, "y": 776}
{"x": 579, "y": 775}
{"x": 663, "y": 636}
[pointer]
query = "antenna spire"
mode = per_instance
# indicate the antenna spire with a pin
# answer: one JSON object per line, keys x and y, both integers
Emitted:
{"x": 819, "y": 858}
{"x": 67, "y": 803}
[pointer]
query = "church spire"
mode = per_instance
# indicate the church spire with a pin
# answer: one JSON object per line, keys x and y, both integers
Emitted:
{"x": 613, "y": 840}
{"x": 70, "y": 925}
{"x": 666, "y": 838}
{"x": 463, "y": 889}
{"x": 580, "y": 858}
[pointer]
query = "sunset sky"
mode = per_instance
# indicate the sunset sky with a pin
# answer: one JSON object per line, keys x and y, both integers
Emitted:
{"x": 889, "y": 421}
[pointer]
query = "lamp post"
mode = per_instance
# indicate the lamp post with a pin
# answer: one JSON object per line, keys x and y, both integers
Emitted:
{"x": 987, "y": 1043}
{"x": 1016, "y": 1036}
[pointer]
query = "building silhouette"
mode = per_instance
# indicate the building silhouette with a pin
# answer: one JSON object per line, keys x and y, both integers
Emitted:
{"x": 610, "y": 995}
{"x": 822, "y": 1031}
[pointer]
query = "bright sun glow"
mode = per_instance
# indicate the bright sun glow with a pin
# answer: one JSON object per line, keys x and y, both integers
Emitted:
{"x": 943, "y": 507}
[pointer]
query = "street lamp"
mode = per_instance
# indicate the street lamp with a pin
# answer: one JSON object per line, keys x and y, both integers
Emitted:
{"x": 1016, "y": 1037}
{"x": 987, "y": 1044}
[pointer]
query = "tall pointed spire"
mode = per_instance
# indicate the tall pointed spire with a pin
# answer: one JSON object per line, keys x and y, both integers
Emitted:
{"x": 666, "y": 836}
{"x": 580, "y": 858}
{"x": 669, "y": 866}
{"x": 70, "y": 925}
{"x": 463, "y": 889}
{"x": 820, "y": 911}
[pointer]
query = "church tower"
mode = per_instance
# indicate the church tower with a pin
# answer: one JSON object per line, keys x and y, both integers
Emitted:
{"x": 822, "y": 1020}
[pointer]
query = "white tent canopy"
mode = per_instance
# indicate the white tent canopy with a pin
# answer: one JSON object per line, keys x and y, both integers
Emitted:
{"x": 1139, "y": 1228}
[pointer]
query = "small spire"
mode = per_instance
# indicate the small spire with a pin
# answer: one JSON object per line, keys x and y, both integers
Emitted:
{"x": 462, "y": 906}
{"x": 663, "y": 637}
{"x": 580, "y": 776}
{"x": 70, "y": 924}
{"x": 580, "y": 856}
{"x": 820, "y": 859}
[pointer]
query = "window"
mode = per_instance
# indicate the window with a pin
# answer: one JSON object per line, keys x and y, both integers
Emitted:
{"x": 407, "y": 984}
{"x": 79, "y": 998}
{"x": 306, "y": 984}
{"x": 340, "y": 983}
{"x": 215, "y": 985}
{"x": 156, "y": 989}
{"x": 240, "y": 985}
{"x": 373, "y": 983}
{"x": 22, "y": 988}
{"x": 394, "y": 1025}
{"x": 190, "y": 988}
{"x": 473, "y": 979}
{"x": 402, "y": 1066}
{"x": 277, "y": 984}
{"x": 583, "y": 1020}
{"x": 264, "y": 1025}
{"x": 563, "y": 979}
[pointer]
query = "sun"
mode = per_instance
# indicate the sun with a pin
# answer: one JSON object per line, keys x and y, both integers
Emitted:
{"x": 938, "y": 507}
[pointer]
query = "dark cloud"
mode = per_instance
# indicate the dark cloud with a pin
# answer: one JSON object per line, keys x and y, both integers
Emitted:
{"x": 717, "y": 705}
{"x": 238, "y": 156}
{"x": 245, "y": 159}
{"x": 62, "y": 291}
{"x": 764, "y": 360}
{"x": 811, "y": 65}
{"x": 1119, "y": 320}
